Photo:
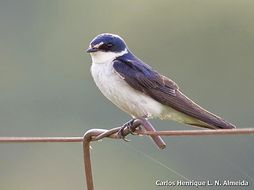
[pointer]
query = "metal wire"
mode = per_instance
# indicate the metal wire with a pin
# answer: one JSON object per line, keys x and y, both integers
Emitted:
{"x": 238, "y": 131}
{"x": 96, "y": 134}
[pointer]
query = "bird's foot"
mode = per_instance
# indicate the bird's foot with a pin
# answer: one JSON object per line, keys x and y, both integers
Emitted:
{"x": 128, "y": 125}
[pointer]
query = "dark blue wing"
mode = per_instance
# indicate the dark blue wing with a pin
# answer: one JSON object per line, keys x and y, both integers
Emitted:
{"x": 143, "y": 78}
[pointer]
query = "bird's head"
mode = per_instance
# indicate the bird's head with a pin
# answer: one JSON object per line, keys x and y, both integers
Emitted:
{"x": 106, "y": 47}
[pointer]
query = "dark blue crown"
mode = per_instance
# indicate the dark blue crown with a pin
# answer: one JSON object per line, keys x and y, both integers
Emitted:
{"x": 109, "y": 42}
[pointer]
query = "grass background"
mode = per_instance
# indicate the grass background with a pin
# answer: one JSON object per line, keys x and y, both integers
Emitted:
{"x": 46, "y": 90}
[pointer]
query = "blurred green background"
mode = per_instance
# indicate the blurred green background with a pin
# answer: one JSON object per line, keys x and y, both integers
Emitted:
{"x": 46, "y": 90}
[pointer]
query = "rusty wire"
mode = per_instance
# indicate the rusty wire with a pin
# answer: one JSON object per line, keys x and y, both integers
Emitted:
{"x": 96, "y": 134}
{"x": 237, "y": 131}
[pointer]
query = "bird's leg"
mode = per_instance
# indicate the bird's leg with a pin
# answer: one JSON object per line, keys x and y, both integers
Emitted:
{"x": 128, "y": 125}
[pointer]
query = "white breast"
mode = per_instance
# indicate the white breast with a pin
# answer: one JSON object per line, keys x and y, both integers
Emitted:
{"x": 134, "y": 102}
{"x": 121, "y": 94}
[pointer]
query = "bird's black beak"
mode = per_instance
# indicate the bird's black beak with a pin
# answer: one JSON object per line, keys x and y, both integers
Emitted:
{"x": 91, "y": 50}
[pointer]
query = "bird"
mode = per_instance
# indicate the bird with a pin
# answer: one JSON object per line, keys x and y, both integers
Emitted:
{"x": 141, "y": 91}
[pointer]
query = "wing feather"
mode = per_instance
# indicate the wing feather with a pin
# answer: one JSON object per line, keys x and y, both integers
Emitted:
{"x": 143, "y": 78}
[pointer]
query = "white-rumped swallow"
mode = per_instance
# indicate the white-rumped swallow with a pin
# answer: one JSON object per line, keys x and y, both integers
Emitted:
{"x": 141, "y": 91}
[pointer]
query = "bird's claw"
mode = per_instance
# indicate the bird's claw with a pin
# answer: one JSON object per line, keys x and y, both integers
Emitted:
{"x": 127, "y": 126}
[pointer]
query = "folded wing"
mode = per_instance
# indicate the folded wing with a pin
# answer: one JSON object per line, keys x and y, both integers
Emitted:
{"x": 143, "y": 78}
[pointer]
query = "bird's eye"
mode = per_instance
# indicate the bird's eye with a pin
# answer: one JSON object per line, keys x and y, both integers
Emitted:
{"x": 109, "y": 45}
{"x": 106, "y": 46}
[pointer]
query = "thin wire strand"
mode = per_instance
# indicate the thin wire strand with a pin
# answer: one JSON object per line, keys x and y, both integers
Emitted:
{"x": 157, "y": 161}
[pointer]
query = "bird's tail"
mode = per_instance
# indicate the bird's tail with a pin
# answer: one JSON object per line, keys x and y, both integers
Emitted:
{"x": 200, "y": 116}
{"x": 218, "y": 125}
{"x": 210, "y": 121}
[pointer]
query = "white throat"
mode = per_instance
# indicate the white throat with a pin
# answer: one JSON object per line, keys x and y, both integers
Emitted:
{"x": 103, "y": 57}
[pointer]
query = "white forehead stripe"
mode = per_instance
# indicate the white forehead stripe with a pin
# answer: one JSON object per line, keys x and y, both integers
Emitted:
{"x": 98, "y": 45}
